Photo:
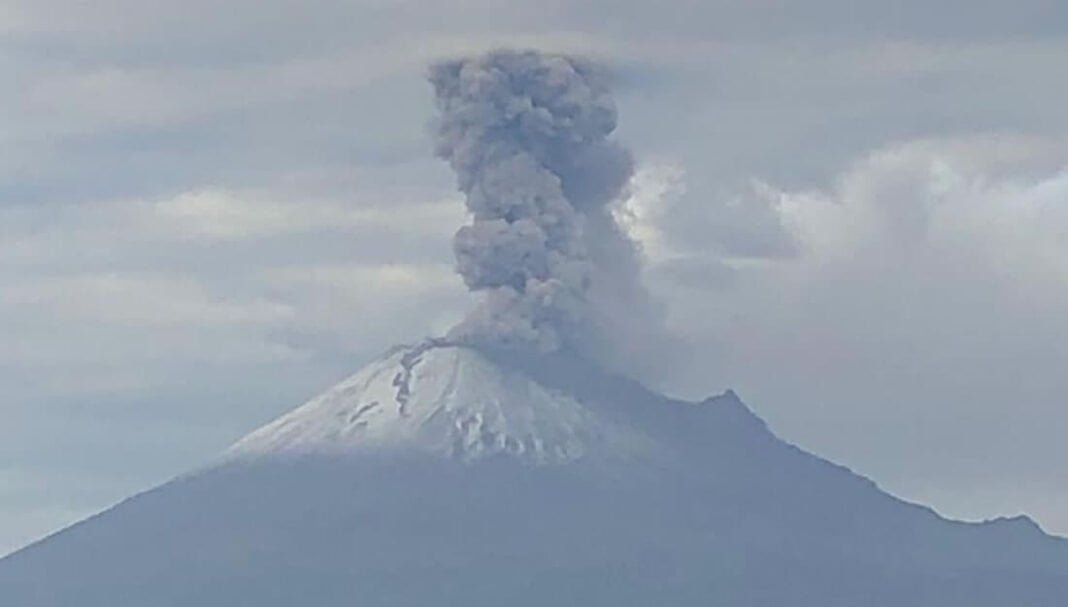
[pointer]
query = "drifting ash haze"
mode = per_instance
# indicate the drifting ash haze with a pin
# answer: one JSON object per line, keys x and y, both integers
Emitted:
{"x": 505, "y": 465}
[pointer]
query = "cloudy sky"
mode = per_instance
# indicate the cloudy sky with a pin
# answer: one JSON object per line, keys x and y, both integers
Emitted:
{"x": 855, "y": 214}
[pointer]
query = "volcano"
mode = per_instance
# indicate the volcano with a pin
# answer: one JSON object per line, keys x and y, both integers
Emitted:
{"x": 446, "y": 475}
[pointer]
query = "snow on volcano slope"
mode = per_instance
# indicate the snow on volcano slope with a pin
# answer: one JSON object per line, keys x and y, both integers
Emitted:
{"x": 446, "y": 401}
{"x": 444, "y": 476}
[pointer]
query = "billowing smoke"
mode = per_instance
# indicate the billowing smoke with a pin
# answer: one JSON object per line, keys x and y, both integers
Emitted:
{"x": 528, "y": 135}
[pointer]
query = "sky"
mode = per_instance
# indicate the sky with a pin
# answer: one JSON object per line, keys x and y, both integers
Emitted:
{"x": 855, "y": 214}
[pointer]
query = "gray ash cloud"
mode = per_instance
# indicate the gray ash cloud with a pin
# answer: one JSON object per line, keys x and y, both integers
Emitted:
{"x": 529, "y": 137}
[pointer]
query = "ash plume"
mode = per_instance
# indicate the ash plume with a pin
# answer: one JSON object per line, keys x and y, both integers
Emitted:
{"x": 528, "y": 135}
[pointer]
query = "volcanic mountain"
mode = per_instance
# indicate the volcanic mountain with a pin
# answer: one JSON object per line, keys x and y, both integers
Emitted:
{"x": 446, "y": 475}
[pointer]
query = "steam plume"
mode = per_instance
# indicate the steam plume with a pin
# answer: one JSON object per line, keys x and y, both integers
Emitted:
{"x": 528, "y": 137}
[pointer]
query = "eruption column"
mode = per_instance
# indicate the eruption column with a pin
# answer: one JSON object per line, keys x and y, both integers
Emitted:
{"x": 528, "y": 137}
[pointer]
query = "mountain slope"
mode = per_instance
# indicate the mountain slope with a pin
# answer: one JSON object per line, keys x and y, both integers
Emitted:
{"x": 449, "y": 402}
{"x": 478, "y": 481}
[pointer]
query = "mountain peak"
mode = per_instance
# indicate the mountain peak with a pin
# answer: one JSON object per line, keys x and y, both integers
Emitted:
{"x": 449, "y": 401}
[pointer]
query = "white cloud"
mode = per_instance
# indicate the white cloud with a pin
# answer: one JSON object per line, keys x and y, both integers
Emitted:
{"x": 126, "y": 300}
{"x": 222, "y": 214}
{"x": 358, "y": 278}
{"x": 653, "y": 188}
{"x": 108, "y": 295}
{"x": 933, "y": 199}
{"x": 919, "y": 333}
